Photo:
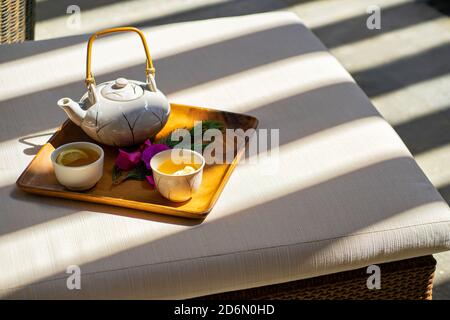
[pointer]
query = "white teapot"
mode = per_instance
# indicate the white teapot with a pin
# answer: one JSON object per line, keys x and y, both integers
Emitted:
{"x": 120, "y": 112}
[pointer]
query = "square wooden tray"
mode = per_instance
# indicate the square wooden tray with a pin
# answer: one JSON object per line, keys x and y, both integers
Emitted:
{"x": 39, "y": 177}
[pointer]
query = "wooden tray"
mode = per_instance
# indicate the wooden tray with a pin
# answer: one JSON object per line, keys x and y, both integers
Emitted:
{"x": 39, "y": 177}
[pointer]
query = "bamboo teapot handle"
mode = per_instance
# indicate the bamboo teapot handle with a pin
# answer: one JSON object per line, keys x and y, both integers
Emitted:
{"x": 149, "y": 70}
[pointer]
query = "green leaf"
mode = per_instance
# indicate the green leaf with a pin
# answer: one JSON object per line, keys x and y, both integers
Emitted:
{"x": 116, "y": 173}
{"x": 168, "y": 139}
{"x": 206, "y": 125}
{"x": 137, "y": 173}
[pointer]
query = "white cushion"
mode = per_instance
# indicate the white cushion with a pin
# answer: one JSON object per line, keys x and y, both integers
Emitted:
{"x": 347, "y": 193}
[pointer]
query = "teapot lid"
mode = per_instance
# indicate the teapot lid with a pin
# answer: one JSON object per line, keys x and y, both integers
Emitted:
{"x": 122, "y": 90}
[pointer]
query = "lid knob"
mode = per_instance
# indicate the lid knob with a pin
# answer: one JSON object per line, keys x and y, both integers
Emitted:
{"x": 120, "y": 83}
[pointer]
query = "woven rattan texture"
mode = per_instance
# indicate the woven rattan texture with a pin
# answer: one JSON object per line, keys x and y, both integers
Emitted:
{"x": 410, "y": 279}
{"x": 16, "y": 20}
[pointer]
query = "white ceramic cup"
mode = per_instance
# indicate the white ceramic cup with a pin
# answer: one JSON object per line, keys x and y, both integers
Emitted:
{"x": 177, "y": 188}
{"x": 82, "y": 177}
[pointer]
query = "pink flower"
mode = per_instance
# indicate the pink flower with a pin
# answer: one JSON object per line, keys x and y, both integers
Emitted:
{"x": 150, "y": 151}
{"x": 128, "y": 160}
{"x": 147, "y": 143}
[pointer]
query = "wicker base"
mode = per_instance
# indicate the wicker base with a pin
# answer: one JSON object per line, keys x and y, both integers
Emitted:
{"x": 16, "y": 20}
{"x": 410, "y": 279}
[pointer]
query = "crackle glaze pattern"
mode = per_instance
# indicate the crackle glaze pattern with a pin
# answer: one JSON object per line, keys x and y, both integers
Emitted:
{"x": 124, "y": 123}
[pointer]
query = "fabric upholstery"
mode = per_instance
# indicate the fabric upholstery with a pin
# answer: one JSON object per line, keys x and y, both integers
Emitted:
{"x": 346, "y": 192}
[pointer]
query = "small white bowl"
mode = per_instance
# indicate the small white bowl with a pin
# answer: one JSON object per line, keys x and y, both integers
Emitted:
{"x": 82, "y": 177}
{"x": 177, "y": 188}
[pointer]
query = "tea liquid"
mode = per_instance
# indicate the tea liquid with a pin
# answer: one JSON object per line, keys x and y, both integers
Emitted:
{"x": 169, "y": 167}
{"x": 77, "y": 157}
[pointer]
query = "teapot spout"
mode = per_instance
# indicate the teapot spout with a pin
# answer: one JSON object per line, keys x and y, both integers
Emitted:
{"x": 73, "y": 110}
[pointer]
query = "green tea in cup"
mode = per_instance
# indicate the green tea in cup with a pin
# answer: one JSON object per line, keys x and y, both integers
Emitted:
{"x": 77, "y": 157}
